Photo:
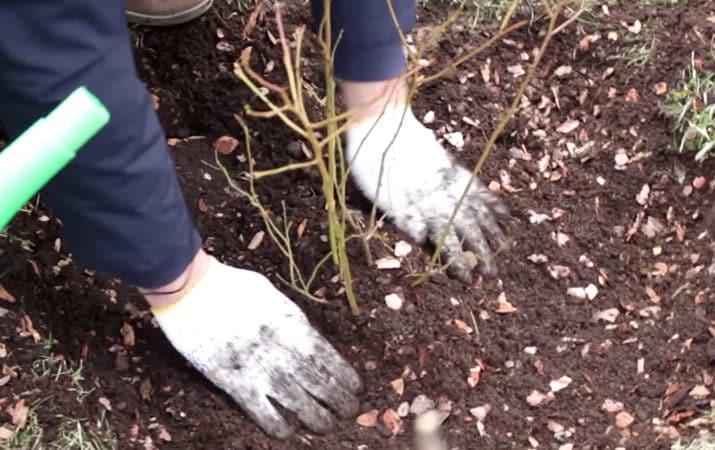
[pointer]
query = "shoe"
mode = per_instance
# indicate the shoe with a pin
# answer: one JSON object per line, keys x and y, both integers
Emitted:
{"x": 161, "y": 13}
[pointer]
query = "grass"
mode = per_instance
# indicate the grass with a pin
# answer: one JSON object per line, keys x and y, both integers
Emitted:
{"x": 638, "y": 55}
{"x": 691, "y": 107}
{"x": 486, "y": 10}
{"x": 72, "y": 433}
{"x": 697, "y": 444}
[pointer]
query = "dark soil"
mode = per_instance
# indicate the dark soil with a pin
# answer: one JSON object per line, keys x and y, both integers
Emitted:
{"x": 198, "y": 96}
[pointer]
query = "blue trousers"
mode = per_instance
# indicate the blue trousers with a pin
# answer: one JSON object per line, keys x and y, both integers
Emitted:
{"x": 120, "y": 203}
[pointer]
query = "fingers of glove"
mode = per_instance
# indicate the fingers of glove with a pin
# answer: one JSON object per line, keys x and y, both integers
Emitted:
{"x": 254, "y": 403}
{"x": 480, "y": 194}
{"x": 474, "y": 240}
{"x": 331, "y": 380}
{"x": 458, "y": 264}
{"x": 479, "y": 215}
{"x": 334, "y": 364}
{"x": 292, "y": 397}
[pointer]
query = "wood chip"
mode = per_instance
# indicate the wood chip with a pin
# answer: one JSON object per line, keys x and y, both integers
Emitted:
{"x": 388, "y": 262}
{"x": 398, "y": 385}
{"x": 624, "y": 420}
{"x": 368, "y": 419}
{"x": 6, "y": 434}
{"x": 225, "y": 145}
{"x": 402, "y": 249}
{"x": 568, "y": 126}
{"x": 128, "y": 337}
{"x": 105, "y": 403}
{"x": 5, "y": 295}
{"x": 256, "y": 240}
{"x": 393, "y": 422}
{"x": 393, "y": 301}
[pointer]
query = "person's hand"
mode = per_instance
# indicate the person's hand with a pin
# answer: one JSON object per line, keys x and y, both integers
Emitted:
{"x": 420, "y": 187}
{"x": 256, "y": 345}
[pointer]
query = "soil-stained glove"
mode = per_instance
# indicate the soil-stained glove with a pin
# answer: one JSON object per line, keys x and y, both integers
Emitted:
{"x": 255, "y": 344}
{"x": 420, "y": 187}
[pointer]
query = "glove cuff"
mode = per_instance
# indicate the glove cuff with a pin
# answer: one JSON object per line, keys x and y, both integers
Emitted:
{"x": 191, "y": 287}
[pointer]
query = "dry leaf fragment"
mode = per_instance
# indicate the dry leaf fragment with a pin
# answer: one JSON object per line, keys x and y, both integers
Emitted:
{"x": 6, "y": 434}
{"x": 256, "y": 240}
{"x": 537, "y": 398}
{"x": 402, "y": 249}
{"x": 568, "y": 126}
{"x": 368, "y": 419}
{"x": 3, "y": 350}
{"x": 28, "y": 329}
{"x": 632, "y": 96}
{"x": 225, "y": 46}
{"x": 503, "y": 305}
{"x": 225, "y": 145}
{"x": 516, "y": 70}
{"x": 155, "y": 102}
{"x": 652, "y": 227}
{"x": 560, "y": 238}
{"x": 5, "y": 295}
{"x": 563, "y": 71}
{"x": 393, "y": 422}
{"x": 538, "y": 258}
{"x": 642, "y": 196}
{"x": 560, "y": 383}
{"x": 462, "y": 325}
{"x": 612, "y": 406}
{"x": 253, "y": 19}
{"x": 145, "y": 389}
{"x": 635, "y": 28}
{"x": 428, "y": 118}
{"x": 105, "y": 403}
{"x": 576, "y": 292}
{"x": 591, "y": 291}
{"x": 699, "y": 392}
{"x": 660, "y": 88}
{"x": 388, "y": 262}
{"x": 607, "y": 315}
{"x": 398, "y": 385}
{"x": 163, "y": 434}
{"x": 699, "y": 182}
{"x": 480, "y": 412}
{"x": 456, "y": 139}
{"x": 621, "y": 158}
{"x": 393, "y": 301}
{"x": 128, "y": 336}
{"x": 301, "y": 228}
{"x": 202, "y": 205}
{"x": 19, "y": 412}
{"x": 475, "y": 373}
{"x": 558, "y": 272}
{"x": 623, "y": 420}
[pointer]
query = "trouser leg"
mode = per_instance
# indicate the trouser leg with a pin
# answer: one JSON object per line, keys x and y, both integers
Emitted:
{"x": 120, "y": 203}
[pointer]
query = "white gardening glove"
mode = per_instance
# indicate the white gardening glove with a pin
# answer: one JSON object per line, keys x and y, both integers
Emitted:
{"x": 255, "y": 344}
{"x": 420, "y": 187}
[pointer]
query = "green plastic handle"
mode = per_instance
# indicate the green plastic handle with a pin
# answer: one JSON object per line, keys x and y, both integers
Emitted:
{"x": 44, "y": 149}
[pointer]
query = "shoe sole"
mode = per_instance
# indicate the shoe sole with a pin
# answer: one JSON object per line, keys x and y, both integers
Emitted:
{"x": 170, "y": 19}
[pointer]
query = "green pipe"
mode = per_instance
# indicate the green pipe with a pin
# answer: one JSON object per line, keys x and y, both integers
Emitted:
{"x": 44, "y": 149}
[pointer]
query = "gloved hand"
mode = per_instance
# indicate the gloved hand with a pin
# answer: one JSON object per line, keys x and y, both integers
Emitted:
{"x": 254, "y": 343}
{"x": 420, "y": 187}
